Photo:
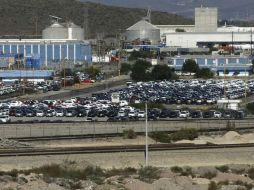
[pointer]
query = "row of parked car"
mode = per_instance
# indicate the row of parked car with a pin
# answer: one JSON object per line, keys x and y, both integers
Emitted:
{"x": 182, "y": 91}
{"x": 114, "y": 112}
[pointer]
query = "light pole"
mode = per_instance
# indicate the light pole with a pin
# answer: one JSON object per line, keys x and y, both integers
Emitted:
{"x": 146, "y": 154}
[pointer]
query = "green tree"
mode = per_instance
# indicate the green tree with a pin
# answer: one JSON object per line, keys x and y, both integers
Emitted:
{"x": 141, "y": 54}
{"x": 140, "y": 71}
{"x": 190, "y": 65}
{"x": 204, "y": 73}
{"x": 66, "y": 72}
{"x": 125, "y": 68}
{"x": 92, "y": 71}
{"x": 250, "y": 108}
{"x": 162, "y": 72}
{"x": 180, "y": 30}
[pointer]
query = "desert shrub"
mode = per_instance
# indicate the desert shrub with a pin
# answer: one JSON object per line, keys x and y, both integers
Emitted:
{"x": 176, "y": 169}
{"x": 122, "y": 172}
{"x": 209, "y": 175}
{"x": 187, "y": 134}
{"x": 230, "y": 126}
{"x": 223, "y": 183}
{"x": 160, "y": 136}
{"x": 187, "y": 172}
{"x": 129, "y": 134}
{"x": 223, "y": 169}
{"x": 75, "y": 185}
{"x": 238, "y": 171}
{"x": 95, "y": 174}
{"x": 212, "y": 186}
{"x": 148, "y": 174}
{"x": 251, "y": 173}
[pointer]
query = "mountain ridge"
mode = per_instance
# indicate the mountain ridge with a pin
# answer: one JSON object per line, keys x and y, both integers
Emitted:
{"x": 228, "y": 9}
{"x": 22, "y": 18}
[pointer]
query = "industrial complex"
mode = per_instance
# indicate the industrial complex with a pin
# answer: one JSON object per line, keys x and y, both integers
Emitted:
{"x": 233, "y": 44}
{"x": 60, "y": 44}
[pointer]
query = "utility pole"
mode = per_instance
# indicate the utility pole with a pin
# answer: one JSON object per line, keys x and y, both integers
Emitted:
{"x": 146, "y": 154}
{"x": 36, "y": 25}
{"x": 251, "y": 42}
{"x": 119, "y": 55}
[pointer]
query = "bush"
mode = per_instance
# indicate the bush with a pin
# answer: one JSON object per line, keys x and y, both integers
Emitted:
{"x": 251, "y": 173}
{"x": 230, "y": 126}
{"x": 205, "y": 73}
{"x": 121, "y": 172}
{"x": 148, "y": 174}
{"x": 140, "y": 54}
{"x": 209, "y": 175}
{"x": 95, "y": 174}
{"x": 187, "y": 172}
{"x": 250, "y": 108}
{"x": 187, "y": 134}
{"x": 176, "y": 169}
{"x": 129, "y": 134}
{"x": 125, "y": 68}
{"x": 160, "y": 136}
{"x": 212, "y": 186}
{"x": 223, "y": 169}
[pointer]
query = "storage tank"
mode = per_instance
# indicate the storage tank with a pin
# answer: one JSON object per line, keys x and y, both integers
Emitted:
{"x": 55, "y": 31}
{"x": 143, "y": 30}
{"x": 75, "y": 32}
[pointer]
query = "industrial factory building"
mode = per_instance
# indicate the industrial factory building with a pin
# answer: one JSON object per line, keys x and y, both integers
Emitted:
{"x": 60, "y": 43}
{"x": 234, "y": 65}
{"x": 49, "y": 50}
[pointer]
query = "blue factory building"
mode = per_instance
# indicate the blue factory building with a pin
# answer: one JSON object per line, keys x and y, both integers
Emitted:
{"x": 49, "y": 51}
{"x": 234, "y": 65}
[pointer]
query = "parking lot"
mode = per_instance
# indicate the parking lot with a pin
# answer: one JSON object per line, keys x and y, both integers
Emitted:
{"x": 100, "y": 108}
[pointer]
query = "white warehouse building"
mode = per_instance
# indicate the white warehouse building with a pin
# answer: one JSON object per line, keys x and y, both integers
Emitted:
{"x": 198, "y": 39}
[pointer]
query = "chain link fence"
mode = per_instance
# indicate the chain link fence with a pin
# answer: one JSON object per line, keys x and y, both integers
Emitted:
{"x": 94, "y": 128}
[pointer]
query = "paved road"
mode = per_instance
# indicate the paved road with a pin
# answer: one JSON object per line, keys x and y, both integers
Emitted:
{"x": 56, "y": 129}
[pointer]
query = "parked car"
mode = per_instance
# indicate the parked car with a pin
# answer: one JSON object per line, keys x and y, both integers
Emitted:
{"x": 5, "y": 119}
{"x": 217, "y": 114}
{"x": 184, "y": 114}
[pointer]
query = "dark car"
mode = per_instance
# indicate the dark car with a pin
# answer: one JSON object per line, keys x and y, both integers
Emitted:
{"x": 207, "y": 114}
{"x": 81, "y": 113}
{"x": 19, "y": 113}
{"x": 228, "y": 114}
{"x": 30, "y": 113}
{"x": 164, "y": 113}
{"x": 174, "y": 114}
{"x": 196, "y": 114}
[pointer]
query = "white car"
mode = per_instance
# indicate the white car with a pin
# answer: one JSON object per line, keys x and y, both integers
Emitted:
{"x": 132, "y": 114}
{"x": 5, "y": 119}
{"x": 217, "y": 114}
{"x": 141, "y": 114}
{"x": 184, "y": 114}
{"x": 59, "y": 113}
{"x": 123, "y": 103}
{"x": 40, "y": 113}
{"x": 15, "y": 104}
{"x": 121, "y": 113}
